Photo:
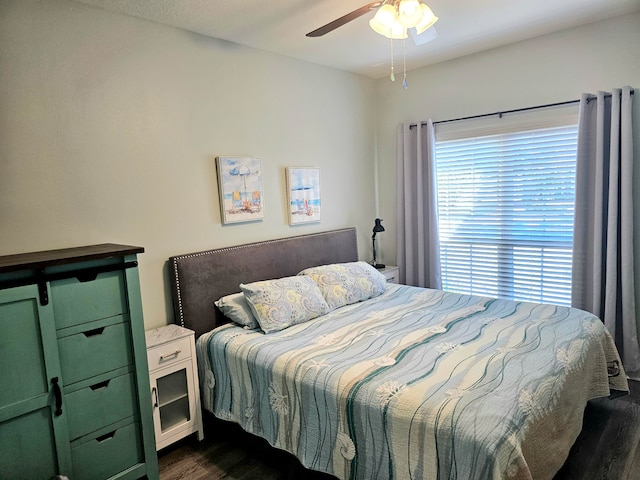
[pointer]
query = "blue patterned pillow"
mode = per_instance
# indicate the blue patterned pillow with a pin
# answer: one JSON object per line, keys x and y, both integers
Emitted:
{"x": 236, "y": 308}
{"x": 346, "y": 283}
{"x": 281, "y": 303}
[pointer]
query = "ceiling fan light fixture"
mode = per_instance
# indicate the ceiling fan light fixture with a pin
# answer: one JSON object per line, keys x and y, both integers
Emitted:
{"x": 428, "y": 19}
{"x": 395, "y": 17}
{"x": 409, "y": 13}
{"x": 385, "y": 22}
{"x": 386, "y": 15}
{"x": 379, "y": 27}
{"x": 397, "y": 32}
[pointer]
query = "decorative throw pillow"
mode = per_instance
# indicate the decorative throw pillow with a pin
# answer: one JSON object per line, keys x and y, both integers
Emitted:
{"x": 281, "y": 303}
{"x": 346, "y": 283}
{"x": 236, "y": 308}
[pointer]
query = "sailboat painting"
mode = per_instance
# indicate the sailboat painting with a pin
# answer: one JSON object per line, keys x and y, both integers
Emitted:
{"x": 303, "y": 188}
{"x": 240, "y": 188}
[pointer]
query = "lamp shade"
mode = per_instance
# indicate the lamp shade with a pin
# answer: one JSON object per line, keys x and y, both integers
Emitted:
{"x": 398, "y": 32}
{"x": 386, "y": 15}
{"x": 377, "y": 228}
{"x": 428, "y": 19}
{"x": 409, "y": 13}
{"x": 385, "y": 22}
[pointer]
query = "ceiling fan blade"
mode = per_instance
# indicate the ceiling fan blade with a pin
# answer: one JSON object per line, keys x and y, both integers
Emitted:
{"x": 342, "y": 20}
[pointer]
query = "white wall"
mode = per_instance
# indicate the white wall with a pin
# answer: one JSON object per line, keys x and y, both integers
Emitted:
{"x": 543, "y": 70}
{"x": 109, "y": 127}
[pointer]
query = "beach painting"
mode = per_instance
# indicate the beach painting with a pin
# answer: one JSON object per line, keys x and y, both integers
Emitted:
{"x": 303, "y": 194}
{"x": 240, "y": 188}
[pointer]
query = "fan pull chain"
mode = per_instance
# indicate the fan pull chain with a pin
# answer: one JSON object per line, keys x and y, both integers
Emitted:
{"x": 392, "y": 76}
{"x": 404, "y": 64}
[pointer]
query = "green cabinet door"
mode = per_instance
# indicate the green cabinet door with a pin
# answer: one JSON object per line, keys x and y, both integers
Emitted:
{"x": 34, "y": 440}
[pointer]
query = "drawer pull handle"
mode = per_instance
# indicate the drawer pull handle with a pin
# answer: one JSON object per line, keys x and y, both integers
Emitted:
{"x": 58, "y": 396}
{"x": 100, "y": 385}
{"x": 174, "y": 354}
{"x": 94, "y": 332}
{"x": 106, "y": 436}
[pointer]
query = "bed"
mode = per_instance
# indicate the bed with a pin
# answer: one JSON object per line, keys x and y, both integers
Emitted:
{"x": 411, "y": 383}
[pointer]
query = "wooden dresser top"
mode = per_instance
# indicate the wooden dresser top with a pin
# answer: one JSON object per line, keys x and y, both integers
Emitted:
{"x": 34, "y": 260}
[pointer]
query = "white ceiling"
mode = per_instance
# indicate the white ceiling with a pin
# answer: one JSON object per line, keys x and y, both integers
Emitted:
{"x": 279, "y": 26}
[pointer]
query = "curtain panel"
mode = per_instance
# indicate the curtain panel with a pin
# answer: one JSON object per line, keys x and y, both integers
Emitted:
{"x": 418, "y": 252}
{"x": 603, "y": 257}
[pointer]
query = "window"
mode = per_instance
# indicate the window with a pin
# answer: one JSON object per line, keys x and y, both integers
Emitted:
{"x": 505, "y": 211}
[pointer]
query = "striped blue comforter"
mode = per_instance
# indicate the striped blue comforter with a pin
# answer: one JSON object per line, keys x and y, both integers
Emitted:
{"x": 416, "y": 384}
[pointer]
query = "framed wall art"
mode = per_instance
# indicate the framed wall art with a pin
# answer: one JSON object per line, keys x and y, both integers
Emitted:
{"x": 240, "y": 188}
{"x": 303, "y": 194}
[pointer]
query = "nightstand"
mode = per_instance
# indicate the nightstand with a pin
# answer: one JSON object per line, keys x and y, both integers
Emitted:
{"x": 175, "y": 392}
{"x": 391, "y": 272}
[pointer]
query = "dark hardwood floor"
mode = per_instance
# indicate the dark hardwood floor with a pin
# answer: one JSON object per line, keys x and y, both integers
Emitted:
{"x": 607, "y": 449}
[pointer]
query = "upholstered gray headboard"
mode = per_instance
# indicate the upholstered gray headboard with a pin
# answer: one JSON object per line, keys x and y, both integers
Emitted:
{"x": 199, "y": 279}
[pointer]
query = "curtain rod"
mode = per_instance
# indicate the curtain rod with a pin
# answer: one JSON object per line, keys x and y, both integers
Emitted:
{"x": 516, "y": 110}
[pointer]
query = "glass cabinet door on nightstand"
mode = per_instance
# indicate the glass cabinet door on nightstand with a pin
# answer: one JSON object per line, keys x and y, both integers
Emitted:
{"x": 173, "y": 401}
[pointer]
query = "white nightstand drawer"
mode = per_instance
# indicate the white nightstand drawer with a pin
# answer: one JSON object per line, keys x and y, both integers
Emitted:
{"x": 391, "y": 272}
{"x": 170, "y": 353}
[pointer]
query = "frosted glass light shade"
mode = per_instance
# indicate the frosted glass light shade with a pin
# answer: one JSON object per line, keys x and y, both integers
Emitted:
{"x": 428, "y": 19}
{"x": 409, "y": 13}
{"x": 379, "y": 27}
{"x": 398, "y": 32}
{"x": 385, "y": 22}
{"x": 386, "y": 15}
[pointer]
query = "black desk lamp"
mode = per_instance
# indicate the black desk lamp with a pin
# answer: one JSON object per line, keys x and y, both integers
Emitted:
{"x": 377, "y": 228}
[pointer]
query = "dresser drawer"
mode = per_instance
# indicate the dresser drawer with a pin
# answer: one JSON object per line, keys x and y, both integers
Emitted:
{"x": 169, "y": 353}
{"x": 75, "y": 302}
{"x": 101, "y": 404}
{"x": 96, "y": 351}
{"x": 106, "y": 454}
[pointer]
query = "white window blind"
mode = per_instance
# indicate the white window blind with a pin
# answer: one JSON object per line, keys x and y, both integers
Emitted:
{"x": 505, "y": 208}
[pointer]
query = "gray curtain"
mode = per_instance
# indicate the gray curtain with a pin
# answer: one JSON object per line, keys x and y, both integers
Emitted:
{"x": 417, "y": 240}
{"x": 603, "y": 273}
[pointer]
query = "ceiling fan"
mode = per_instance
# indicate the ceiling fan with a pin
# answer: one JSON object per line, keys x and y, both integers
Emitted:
{"x": 393, "y": 18}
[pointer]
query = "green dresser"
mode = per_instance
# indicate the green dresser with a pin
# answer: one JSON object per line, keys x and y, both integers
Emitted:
{"x": 74, "y": 382}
